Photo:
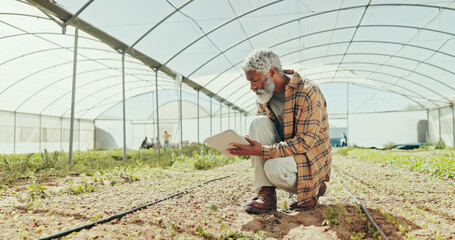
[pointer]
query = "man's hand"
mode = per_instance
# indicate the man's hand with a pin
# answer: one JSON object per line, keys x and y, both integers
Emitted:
{"x": 254, "y": 149}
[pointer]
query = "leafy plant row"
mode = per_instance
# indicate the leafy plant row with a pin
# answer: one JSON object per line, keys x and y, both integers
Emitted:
{"x": 440, "y": 165}
{"x": 192, "y": 157}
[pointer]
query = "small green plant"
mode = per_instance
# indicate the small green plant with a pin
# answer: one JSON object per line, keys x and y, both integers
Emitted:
{"x": 331, "y": 216}
{"x": 80, "y": 189}
{"x": 201, "y": 233}
{"x": 357, "y": 236}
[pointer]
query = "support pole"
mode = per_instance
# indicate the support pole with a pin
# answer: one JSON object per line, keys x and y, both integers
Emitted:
{"x": 235, "y": 121}
{"x": 61, "y": 134}
{"x": 453, "y": 126}
{"x": 158, "y": 147}
{"x": 229, "y": 117}
{"x": 428, "y": 127}
{"x": 79, "y": 135}
{"x": 73, "y": 97}
{"x": 14, "y": 137}
{"x": 180, "y": 116}
{"x": 40, "y": 134}
{"x": 347, "y": 115}
{"x": 244, "y": 124}
{"x": 221, "y": 117}
{"x": 439, "y": 118}
{"x": 198, "y": 115}
{"x": 124, "y": 107}
{"x": 211, "y": 116}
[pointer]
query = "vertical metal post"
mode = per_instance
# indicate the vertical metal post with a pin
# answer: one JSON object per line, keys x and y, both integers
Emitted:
{"x": 428, "y": 139}
{"x": 79, "y": 136}
{"x": 235, "y": 121}
{"x": 180, "y": 116}
{"x": 61, "y": 134}
{"x": 347, "y": 115}
{"x": 73, "y": 97}
{"x": 439, "y": 118}
{"x": 453, "y": 126}
{"x": 210, "y": 116}
{"x": 124, "y": 107}
{"x": 244, "y": 125}
{"x": 14, "y": 137}
{"x": 94, "y": 134}
{"x": 158, "y": 147}
{"x": 221, "y": 117}
{"x": 198, "y": 115}
{"x": 40, "y": 130}
{"x": 229, "y": 118}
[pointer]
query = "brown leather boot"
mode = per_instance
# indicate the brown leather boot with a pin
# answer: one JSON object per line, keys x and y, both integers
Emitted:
{"x": 265, "y": 201}
{"x": 303, "y": 206}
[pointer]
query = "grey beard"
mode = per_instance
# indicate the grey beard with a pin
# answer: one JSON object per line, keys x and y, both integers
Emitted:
{"x": 264, "y": 95}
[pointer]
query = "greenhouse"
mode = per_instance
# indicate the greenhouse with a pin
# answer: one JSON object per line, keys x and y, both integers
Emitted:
{"x": 101, "y": 75}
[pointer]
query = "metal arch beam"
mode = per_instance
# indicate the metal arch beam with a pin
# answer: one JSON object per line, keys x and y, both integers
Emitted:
{"x": 155, "y": 26}
{"x": 423, "y": 97}
{"x": 25, "y": 15}
{"x": 391, "y": 75}
{"x": 94, "y": 81}
{"x": 119, "y": 46}
{"x": 218, "y": 27}
{"x": 381, "y": 64}
{"x": 58, "y": 65}
{"x": 97, "y": 105}
{"x": 116, "y": 94}
{"x": 48, "y": 33}
{"x": 80, "y": 73}
{"x": 74, "y": 17}
{"x": 410, "y": 97}
{"x": 344, "y": 42}
{"x": 368, "y": 86}
{"x": 48, "y": 50}
{"x": 309, "y": 16}
{"x": 91, "y": 82}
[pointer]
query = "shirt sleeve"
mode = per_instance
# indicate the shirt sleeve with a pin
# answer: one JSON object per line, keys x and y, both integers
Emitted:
{"x": 308, "y": 125}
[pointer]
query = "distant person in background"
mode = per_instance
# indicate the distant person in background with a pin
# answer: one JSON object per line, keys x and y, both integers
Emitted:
{"x": 289, "y": 140}
{"x": 343, "y": 140}
{"x": 144, "y": 143}
{"x": 166, "y": 137}
{"x": 152, "y": 143}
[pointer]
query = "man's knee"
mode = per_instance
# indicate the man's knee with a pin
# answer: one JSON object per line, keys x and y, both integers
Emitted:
{"x": 271, "y": 169}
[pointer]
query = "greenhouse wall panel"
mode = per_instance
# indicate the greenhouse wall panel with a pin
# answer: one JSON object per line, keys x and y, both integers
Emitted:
{"x": 380, "y": 129}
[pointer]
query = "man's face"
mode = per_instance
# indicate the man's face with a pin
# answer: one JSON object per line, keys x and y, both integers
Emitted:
{"x": 261, "y": 85}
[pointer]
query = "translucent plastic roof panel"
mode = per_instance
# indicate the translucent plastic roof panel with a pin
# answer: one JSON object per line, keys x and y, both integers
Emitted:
{"x": 397, "y": 46}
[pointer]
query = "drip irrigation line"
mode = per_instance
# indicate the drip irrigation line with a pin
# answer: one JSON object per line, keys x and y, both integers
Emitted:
{"x": 364, "y": 210}
{"x": 120, "y": 215}
{"x": 41, "y": 176}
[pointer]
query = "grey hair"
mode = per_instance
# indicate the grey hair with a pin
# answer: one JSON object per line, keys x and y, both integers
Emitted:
{"x": 262, "y": 60}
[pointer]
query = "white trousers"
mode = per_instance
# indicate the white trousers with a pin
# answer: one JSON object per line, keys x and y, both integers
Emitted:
{"x": 279, "y": 172}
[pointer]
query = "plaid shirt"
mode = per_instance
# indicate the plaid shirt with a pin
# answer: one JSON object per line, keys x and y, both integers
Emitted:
{"x": 306, "y": 133}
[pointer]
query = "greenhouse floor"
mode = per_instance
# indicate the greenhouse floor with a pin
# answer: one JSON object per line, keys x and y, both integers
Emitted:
{"x": 405, "y": 204}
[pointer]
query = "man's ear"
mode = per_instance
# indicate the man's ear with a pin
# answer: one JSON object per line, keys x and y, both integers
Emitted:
{"x": 272, "y": 72}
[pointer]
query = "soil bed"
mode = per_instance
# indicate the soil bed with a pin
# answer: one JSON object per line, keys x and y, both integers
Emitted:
{"x": 405, "y": 204}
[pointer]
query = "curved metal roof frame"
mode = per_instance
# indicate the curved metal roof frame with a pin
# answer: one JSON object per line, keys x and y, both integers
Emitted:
{"x": 344, "y": 42}
{"x": 122, "y": 48}
{"x": 79, "y": 74}
{"x": 119, "y": 47}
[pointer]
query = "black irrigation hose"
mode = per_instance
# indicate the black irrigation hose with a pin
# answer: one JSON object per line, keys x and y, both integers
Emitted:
{"x": 364, "y": 210}
{"x": 40, "y": 176}
{"x": 120, "y": 215}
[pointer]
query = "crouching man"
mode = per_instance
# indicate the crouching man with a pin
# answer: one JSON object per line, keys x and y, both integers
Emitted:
{"x": 290, "y": 147}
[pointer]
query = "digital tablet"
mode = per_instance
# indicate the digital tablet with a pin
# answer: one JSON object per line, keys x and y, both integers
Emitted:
{"x": 221, "y": 141}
